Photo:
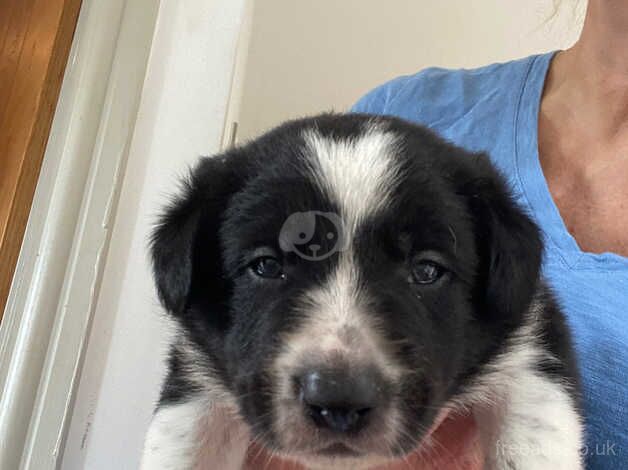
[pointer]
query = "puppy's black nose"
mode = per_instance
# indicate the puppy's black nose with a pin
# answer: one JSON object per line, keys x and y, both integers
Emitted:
{"x": 338, "y": 400}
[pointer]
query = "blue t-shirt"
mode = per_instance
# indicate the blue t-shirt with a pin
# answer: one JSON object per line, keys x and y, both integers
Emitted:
{"x": 495, "y": 109}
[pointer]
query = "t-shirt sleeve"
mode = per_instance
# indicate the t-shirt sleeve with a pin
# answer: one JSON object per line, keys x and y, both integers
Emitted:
{"x": 415, "y": 97}
{"x": 468, "y": 107}
{"x": 458, "y": 104}
{"x": 374, "y": 102}
{"x": 377, "y": 100}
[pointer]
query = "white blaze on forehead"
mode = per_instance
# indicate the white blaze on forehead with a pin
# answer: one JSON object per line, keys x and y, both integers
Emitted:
{"x": 358, "y": 173}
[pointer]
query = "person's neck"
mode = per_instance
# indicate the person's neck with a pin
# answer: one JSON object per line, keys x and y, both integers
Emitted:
{"x": 592, "y": 76}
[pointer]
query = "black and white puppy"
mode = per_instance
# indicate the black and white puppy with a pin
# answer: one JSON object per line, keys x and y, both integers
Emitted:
{"x": 342, "y": 283}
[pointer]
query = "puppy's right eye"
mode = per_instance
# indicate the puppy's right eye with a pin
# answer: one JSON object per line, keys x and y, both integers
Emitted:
{"x": 426, "y": 272}
{"x": 268, "y": 267}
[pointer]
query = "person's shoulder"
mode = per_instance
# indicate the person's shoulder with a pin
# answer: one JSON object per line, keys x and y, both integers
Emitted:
{"x": 435, "y": 93}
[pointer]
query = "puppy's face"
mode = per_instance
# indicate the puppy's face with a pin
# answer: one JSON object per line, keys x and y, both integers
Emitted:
{"x": 345, "y": 276}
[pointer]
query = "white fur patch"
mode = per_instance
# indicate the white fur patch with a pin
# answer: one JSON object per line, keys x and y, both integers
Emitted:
{"x": 336, "y": 324}
{"x": 196, "y": 435}
{"x": 172, "y": 440}
{"x": 358, "y": 173}
{"x": 203, "y": 430}
{"x": 540, "y": 428}
{"x": 526, "y": 420}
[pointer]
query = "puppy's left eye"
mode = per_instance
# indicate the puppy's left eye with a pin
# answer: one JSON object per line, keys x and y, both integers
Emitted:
{"x": 427, "y": 272}
{"x": 268, "y": 267}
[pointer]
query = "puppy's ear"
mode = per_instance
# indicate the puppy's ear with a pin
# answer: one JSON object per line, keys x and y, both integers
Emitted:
{"x": 203, "y": 198}
{"x": 510, "y": 242}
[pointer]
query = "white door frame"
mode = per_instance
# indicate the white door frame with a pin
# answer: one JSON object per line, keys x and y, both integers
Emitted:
{"x": 48, "y": 320}
{"x": 188, "y": 91}
{"x": 57, "y": 278}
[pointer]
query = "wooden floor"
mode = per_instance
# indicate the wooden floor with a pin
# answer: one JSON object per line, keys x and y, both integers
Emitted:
{"x": 35, "y": 39}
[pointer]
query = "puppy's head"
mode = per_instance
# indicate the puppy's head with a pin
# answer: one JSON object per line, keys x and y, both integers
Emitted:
{"x": 345, "y": 276}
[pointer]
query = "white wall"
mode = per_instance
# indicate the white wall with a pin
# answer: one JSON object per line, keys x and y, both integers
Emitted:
{"x": 181, "y": 116}
{"x": 310, "y": 56}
